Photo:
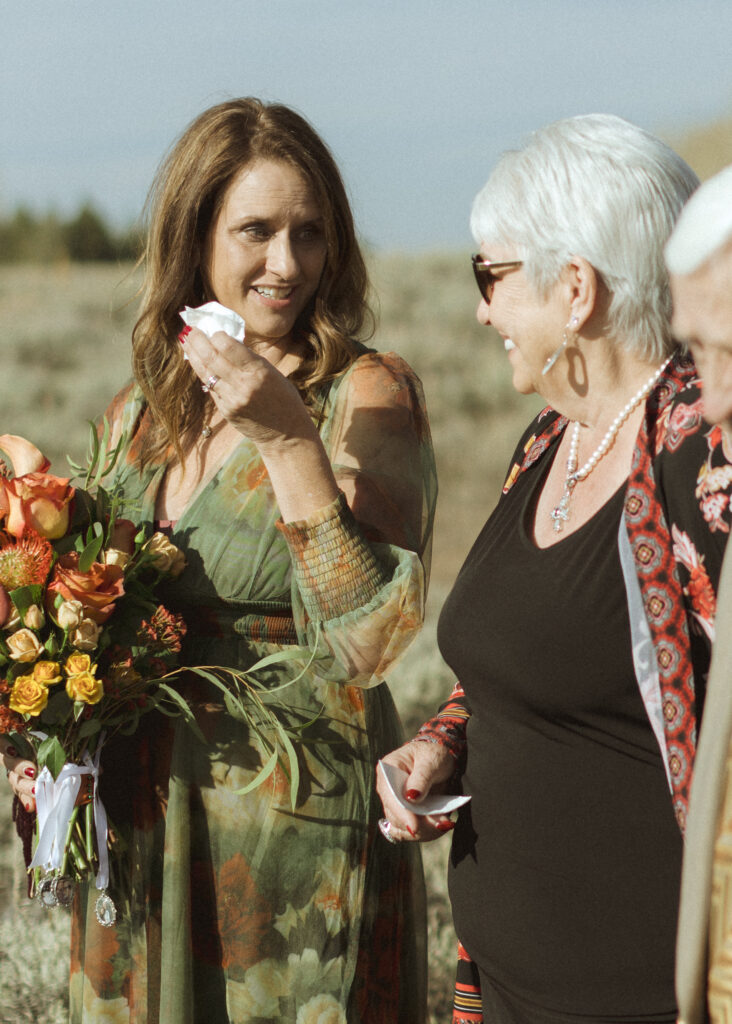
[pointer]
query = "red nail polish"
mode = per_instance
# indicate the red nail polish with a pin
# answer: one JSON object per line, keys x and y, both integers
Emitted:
{"x": 409, "y": 830}
{"x": 184, "y": 334}
{"x": 445, "y": 826}
{"x": 30, "y": 772}
{"x": 33, "y": 791}
{"x": 413, "y": 794}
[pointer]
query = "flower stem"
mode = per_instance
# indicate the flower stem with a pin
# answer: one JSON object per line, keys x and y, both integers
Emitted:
{"x": 89, "y": 835}
{"x": 68, "y": 841}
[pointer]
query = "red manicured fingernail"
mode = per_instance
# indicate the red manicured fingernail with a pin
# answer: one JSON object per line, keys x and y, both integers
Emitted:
{"x": 33, "y": 791}
{"x": 413, "y": 794}
{"x": 409, "y": 830}
{"x": 184, "y": 334}
{"x": 30, "y": 772}
{"x": 445, "y": 826}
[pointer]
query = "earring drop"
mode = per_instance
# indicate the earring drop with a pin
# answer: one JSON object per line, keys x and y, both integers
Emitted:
{"x": 572, "y": 325}
{"x": 553, "y": 358}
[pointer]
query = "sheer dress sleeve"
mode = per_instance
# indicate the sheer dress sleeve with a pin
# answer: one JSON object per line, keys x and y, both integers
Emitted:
{"x": 360, "y": 565}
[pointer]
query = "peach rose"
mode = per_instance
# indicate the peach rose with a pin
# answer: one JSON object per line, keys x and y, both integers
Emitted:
{"x": 36, "y": 501}
{"x": 34, "y": 617}
{"x": 69, "y": 614}
{"x": 113, "y": 556}
{"x": 86, "y": 635}
{"x": 85, "y": 687}
{"x": 166, "y": 557}
{"x": 23, "y": 645}
{"x": 28, "y": 696}
{"x": 97, "y": 590}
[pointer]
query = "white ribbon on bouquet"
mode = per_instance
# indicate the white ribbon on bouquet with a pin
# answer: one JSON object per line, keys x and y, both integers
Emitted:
{"x": 55, "y": 802}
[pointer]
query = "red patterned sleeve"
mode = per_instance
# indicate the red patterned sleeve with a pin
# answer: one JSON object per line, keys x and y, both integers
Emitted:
{"x": 449, "y": 724}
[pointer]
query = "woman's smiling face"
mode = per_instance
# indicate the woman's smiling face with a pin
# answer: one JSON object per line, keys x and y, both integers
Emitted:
{"x": 266, "y": 249}
{"x": 530, "y": 325}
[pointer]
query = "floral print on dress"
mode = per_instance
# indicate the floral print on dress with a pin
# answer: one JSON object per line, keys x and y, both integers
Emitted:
{"x": 699, "y": 587}
{"x": 236, "y": 908}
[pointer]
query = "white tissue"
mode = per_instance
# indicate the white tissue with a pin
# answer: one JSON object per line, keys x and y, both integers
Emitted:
{"x": 395, "y": 779}
{"x": 213, "y": 317}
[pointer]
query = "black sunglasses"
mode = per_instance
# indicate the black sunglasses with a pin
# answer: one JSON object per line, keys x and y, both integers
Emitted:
{"x": 484, "y": 271}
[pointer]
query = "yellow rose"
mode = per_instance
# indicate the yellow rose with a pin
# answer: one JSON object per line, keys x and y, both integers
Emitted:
{"x": 77, "y": 663}
{"x": 85, "y": 687}
{"x": 34, "y": 617}
{"x": 23, "y": 645}
{"x": 70, "y": 614}
{"x": 47, "y": 672}
{"x": 28, "y": 696}
{"x": 166, "y": 557}
{"x": 86, "y": 635}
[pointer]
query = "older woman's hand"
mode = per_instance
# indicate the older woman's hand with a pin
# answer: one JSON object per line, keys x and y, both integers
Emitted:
{"x": 428, "y": 767}
{"x": 21, "y": 776}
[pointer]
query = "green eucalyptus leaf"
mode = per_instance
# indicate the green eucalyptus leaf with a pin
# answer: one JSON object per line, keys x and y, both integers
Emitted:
{"x": 89, "y": 555}
{"x": 51, "y": 755}
{"x": 24, "y": 597}
{"x": 89, "y": 728}
{"x": 260, "y": 777}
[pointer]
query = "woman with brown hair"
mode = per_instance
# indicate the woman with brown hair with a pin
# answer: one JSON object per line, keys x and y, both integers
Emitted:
{"x": 295, "y": 471}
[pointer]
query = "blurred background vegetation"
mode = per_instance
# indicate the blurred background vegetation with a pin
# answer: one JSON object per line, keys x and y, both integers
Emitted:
{"x": 67, "y": 306}
{"x": 27, "y": 237}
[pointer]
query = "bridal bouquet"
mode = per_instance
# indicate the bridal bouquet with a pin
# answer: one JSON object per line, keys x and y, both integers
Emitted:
{"x": 85, "y": 649}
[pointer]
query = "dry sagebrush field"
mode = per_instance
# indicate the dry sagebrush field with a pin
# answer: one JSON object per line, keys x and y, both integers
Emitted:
{"x": 64, "y": 350}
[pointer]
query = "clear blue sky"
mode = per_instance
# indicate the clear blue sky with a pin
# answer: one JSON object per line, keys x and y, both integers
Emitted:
{"x": 417, "y": 98}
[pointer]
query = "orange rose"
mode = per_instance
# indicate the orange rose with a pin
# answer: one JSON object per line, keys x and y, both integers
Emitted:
{"x": 96, "y": 590}
{"x": 36, "y": 501}
{"x": 23, "y": 455}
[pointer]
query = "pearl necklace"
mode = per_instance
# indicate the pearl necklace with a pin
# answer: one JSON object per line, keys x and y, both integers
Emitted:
{"x": 560, "y": 514}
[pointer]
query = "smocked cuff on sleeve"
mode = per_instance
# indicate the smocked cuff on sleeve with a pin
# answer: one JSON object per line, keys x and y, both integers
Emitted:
{"x": 335, "y": 569}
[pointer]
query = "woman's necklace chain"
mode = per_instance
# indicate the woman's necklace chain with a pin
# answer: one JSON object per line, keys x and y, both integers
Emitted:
{"x": 560, "y": 514}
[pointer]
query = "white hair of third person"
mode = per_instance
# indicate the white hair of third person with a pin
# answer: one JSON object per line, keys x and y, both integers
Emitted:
{"x": 704, "y": 227}
{"x": 601, "y": 188}
{"x": 699, "y": 259}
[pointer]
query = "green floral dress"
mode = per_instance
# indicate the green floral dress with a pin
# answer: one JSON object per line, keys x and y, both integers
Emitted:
{"x": 236, "y": 908}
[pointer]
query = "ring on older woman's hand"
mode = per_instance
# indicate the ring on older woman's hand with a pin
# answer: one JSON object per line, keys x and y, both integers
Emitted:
{"x": 385, "y": 829}
{"x": 210, "y": 383}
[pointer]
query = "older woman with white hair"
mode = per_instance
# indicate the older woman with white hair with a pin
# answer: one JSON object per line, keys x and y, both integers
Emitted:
{"x": 580, "y": 625}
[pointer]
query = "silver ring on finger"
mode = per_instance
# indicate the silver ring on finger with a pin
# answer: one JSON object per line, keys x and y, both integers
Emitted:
{"x": 385, "y": 829}
{"x": 210, "y": 383}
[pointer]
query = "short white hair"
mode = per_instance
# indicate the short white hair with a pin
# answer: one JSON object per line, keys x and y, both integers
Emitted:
{"x": 601, "y": 188}
{"x": 704, "y": 227}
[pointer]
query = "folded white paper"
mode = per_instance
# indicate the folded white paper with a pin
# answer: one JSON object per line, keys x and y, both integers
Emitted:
{"x": 213, "y": 317}
{"x": 442, "y": 804}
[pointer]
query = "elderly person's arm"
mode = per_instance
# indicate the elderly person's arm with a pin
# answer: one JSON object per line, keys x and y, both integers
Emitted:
{"x": 433, "y": 762}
